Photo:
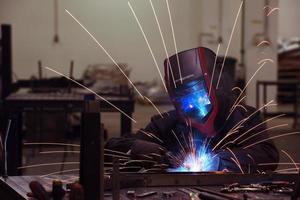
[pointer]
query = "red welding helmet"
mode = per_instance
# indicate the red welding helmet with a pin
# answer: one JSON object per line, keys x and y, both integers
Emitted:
{"x": 188, "y": 78}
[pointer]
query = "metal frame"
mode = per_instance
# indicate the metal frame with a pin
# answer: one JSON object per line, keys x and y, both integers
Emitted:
{"x": 294, "y": 114}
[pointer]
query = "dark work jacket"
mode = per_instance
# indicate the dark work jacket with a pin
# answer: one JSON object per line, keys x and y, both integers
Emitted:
{"x": 249, "y": 158}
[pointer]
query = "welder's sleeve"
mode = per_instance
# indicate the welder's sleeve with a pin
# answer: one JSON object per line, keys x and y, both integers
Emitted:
{"x": 147, "y": 140}
{"x": 252, "y": 151}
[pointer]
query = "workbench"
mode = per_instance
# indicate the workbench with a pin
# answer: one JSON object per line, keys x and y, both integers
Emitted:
{"x": 17, "y": 103}
{"x": 160, "y": 186}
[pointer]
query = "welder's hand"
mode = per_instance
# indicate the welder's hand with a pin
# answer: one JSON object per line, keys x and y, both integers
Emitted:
{"x": 144, "y": 150}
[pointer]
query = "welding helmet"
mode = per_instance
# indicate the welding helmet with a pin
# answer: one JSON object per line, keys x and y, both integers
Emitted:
{"x": 188, "y": 78}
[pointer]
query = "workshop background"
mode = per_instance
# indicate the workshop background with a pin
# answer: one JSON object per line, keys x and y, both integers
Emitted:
{"x": 43, "y": 34}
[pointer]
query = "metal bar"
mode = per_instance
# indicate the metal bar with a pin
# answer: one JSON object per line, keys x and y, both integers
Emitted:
{"x": 91, "y": 149}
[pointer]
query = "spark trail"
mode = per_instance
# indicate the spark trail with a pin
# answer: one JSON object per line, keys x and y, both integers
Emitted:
{"x": 105, "y": 51}
{"x": 229, "y": 42}
{"x": 213, "y": 72}
{"x": 147, "y": 42}
{"x": 163, "y": 41}
{"x": 174, "y": 39}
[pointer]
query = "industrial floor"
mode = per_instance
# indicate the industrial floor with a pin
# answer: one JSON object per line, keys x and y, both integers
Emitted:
{"x": 41, "y": 154}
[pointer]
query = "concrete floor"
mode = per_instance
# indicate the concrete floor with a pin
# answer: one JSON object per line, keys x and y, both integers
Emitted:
{"x": 142, "y": 114}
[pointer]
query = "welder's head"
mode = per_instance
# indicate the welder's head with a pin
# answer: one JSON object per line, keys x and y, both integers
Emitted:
{"x": 188, "y": 77}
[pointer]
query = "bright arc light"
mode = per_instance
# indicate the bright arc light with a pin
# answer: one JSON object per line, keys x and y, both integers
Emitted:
{"x": 199, "y": 161}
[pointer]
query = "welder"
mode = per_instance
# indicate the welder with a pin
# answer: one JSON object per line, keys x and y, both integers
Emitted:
{"x": 207, "y": 116}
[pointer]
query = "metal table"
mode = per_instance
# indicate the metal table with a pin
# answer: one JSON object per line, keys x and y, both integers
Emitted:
{"x": 17, "y": 103}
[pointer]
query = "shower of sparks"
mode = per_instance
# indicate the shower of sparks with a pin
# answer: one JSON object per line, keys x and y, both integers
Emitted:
{"x": 270, "y": 138}
{"x": 154, "y": 106}
{"x": 259, "y": 124}
{"x": 290, "y": 157}
{"x": 149, "y": 47}
{"x": 163, "y": 41}
{"x": 174, "y": 39}
{"x": 264, "y": 42}
{"x": 105, "y": 51}
{"x": 239, "y": 124}
{"x": 88, "y": 89}
{"x": 213, "y": 72}
{"x": 196, "y": 158}
{"x": 273, "y": 127}
{"x": 229, "y": 42}
{"x": 48, "y": 164}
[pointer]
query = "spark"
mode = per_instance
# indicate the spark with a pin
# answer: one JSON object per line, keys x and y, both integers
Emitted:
{"x": 251, "y": 158}
{"x": 61, "y": 74}
{"x": 243, "y": 107}
{"x": 284, "y": 170}
{"x": 237, "y": 105}
{"x": 154, "y": 106}
{"x": 223, "y": 139}
{"x": 174, "y": 39}
{"x": 116, "y": 156}
{"x": 73, "y": 145}
{"x": 248, "y": 84}
{"x": 151, "y": 135}
{"x": 51, "y": 143}
{"x": 290, "y": 157}
{"x": 51, "y": 152}
{"x": 229, "y": 42}
{"x": 213, "y": 72}
{"x": 64, "y": 181}
{"x": 48, "y": 164}
{"x": 265, "y": 60}
{"x": 236, "y": 88}
{"x": 235, "y": 158}
{"x": 237, "y": 164}
{"x": 163, "y": 41}
{"x": 271, "y": 11}
{"x": 282, "y": 163}
{"x": 273, "y": 127}
{"x": 177, "y": 139}
{"x": 149, "y": 47}
{"x": 264, "y": 42}
{"x": 118, "y": 152}
{"x": 59, "y": 172}
{"x": 267, "y": 7}
{"x": 270, "y": 138}
{"x": 105, "y": 51}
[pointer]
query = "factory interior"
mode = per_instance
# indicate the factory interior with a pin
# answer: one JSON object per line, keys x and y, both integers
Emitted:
{"x": 79, "y": 76}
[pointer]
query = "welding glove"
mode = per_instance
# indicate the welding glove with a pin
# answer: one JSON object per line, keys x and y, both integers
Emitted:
{"x": 144, "y": 150}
